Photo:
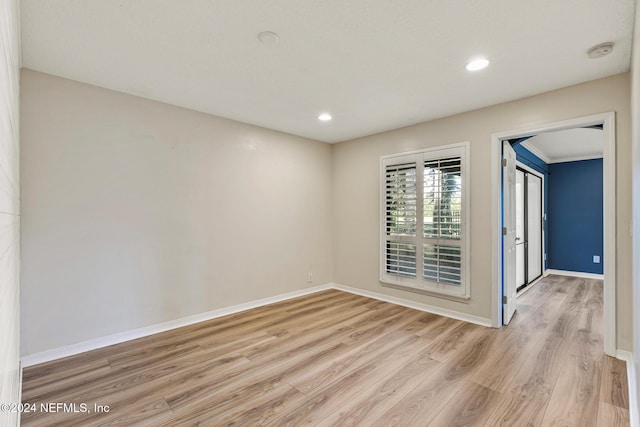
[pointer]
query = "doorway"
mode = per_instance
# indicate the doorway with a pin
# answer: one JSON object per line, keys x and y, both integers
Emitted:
{"x": 504, "y": 283}
{"x": 529, "y": 226}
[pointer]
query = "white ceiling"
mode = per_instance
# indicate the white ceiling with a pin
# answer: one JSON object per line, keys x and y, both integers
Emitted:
{"x": 567, "y": 145}
{"x": 374, "y": 65}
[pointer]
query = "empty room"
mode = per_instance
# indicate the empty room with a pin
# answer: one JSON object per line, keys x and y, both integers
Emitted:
{"x": 284, "y": 213}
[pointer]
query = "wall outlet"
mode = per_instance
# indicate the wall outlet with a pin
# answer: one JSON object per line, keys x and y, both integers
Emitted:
{"x": 310, "y": 278}
{"x": 596, "y": 259}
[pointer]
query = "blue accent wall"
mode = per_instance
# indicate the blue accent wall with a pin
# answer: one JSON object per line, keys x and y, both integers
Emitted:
{"x": 527, "y": 158}
{"x": 575, "y": 228}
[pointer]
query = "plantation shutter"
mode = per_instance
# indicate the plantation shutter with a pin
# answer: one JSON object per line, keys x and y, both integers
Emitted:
{"x": 442, "y": 258}
{"x": 423, "y": 242}
{"x": 401, "y": 219}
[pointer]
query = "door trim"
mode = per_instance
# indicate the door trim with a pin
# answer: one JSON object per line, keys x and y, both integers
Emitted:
{"x": 609, "y": 229}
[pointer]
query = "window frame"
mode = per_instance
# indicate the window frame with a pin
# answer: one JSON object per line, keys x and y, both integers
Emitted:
{"x": 419, "y": 284}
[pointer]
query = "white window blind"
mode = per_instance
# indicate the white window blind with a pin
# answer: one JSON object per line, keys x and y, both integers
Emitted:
{"x": 423, "y": 212}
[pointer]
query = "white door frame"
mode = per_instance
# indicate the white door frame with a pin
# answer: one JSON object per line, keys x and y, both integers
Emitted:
{"x": 609, "y": 212}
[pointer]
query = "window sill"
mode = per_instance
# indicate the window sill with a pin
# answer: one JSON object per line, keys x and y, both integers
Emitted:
{"x": 430, "y": 292}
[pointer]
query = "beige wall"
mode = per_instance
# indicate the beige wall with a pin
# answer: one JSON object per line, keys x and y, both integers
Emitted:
{"x": 356, "y": 180}
{"x": 138, "y": 212}
{"x": 635, "y": 126}
{"x": 9, "y": 210}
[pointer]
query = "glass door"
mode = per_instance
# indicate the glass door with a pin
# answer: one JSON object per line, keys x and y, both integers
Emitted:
{"x": 534, "y": 227}
{"x": 529, "y": 248}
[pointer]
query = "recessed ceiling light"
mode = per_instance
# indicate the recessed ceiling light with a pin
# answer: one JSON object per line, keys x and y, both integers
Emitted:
{"x": 325, "y": 117}
{"x": 477, "y": 64}
{"x": 269, "y": 38}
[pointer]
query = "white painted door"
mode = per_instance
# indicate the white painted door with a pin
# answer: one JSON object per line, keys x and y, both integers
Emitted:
{"x": 509, "y": 233}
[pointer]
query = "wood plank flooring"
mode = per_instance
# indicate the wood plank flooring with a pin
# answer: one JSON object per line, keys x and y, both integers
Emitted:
{"x": 337, "y": 359}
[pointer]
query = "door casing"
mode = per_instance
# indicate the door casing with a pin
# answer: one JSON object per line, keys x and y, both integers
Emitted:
{"x": 609, "y": 230}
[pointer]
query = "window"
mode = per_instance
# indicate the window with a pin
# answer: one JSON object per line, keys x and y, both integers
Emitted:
{"x": 424, "y": 220}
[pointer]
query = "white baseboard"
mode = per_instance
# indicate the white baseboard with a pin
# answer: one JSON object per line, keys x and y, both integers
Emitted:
{"x": 574, "y": 274}
{"x": 73, "y": 349}
{"x": 70, "y": 350}
{"x": 93, "y": 344}
{"x": 416, "y": 305}
{"x": 634, "y": 416}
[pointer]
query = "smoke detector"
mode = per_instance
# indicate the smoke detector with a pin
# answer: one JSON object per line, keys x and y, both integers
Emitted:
{"x": 600, "y": 50}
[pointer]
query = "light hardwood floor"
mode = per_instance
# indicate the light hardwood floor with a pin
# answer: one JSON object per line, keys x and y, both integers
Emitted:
{"x": 334, "y": 358}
